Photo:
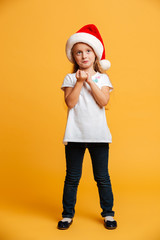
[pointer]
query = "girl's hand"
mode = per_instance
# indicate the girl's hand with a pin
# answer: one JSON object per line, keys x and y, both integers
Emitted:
{"x": 81, "y": 76}
{"x": 88, "y": 80}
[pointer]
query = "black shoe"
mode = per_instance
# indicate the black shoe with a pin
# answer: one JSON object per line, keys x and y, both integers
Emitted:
{"x": 110, "y": 224}
{"x": 64, "y": 225}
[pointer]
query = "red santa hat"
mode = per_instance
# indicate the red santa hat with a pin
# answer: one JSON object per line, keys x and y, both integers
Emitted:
{"x": 90, "y": 35}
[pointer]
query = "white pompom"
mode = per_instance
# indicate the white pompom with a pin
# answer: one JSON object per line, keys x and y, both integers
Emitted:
{"x": 105, "y": 64}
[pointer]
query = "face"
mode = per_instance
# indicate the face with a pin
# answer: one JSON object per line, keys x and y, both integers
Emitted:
{"x": 83, "y": 55}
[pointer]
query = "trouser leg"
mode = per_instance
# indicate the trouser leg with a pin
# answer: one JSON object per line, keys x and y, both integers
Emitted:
{"x": 99, "y": 154}
{"x": 74, "y": 158}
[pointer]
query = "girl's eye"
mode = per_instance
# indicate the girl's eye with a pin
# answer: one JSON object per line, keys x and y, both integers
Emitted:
{"x": 79, "y": 52}
{"x": 88, "y": 50}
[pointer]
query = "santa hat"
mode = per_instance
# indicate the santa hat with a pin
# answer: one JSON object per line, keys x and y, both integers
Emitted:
{"x": 90, "y": 35}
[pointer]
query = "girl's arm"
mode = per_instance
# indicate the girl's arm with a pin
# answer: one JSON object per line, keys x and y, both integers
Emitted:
{"x": 72, "y": 94}
{"x": 101, "y": 96}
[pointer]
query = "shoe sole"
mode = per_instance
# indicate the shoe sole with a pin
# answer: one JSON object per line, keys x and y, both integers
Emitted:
{"x": 110, "y": 228}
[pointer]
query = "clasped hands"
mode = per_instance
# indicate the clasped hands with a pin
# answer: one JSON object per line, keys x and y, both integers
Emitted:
{"x": 83, "y": 76}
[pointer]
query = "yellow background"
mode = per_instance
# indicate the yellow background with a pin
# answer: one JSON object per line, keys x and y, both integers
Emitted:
{"x": 33, "y": 117}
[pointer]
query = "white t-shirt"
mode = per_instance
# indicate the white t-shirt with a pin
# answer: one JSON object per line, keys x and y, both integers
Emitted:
{"x": 87, "y": 120}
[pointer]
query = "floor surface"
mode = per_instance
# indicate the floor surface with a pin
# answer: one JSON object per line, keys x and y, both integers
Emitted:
{"x": 136, "y": 214}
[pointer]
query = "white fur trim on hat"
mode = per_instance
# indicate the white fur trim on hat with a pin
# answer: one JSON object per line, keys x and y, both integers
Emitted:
{"x": 105, "y": 64}
{"x": 87, "y": 38}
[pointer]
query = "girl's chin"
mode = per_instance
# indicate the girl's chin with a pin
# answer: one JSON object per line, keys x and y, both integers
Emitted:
{"x": 84, "y": 68}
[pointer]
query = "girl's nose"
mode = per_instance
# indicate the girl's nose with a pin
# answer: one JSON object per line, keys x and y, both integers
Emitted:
{"x": 83, "y": 54}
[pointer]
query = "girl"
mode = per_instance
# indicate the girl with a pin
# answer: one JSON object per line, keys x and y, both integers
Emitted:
{"x": 86, "y": 94}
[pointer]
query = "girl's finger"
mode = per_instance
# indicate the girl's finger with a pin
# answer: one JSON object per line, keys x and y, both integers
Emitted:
{"x": 80, "y": 73}
{"x": 77, "y": 74}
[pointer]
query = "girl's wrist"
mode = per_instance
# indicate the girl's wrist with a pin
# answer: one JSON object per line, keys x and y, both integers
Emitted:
{"x": 90, "y": 82}
{"x": 79, "y": 83}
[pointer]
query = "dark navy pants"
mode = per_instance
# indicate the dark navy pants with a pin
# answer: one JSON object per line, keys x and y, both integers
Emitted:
{"x": 74, "y": 158}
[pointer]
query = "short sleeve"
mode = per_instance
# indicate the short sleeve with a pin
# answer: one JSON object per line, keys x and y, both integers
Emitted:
{"x": 105, "y": 81}
{"x": 68, "y": 81}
